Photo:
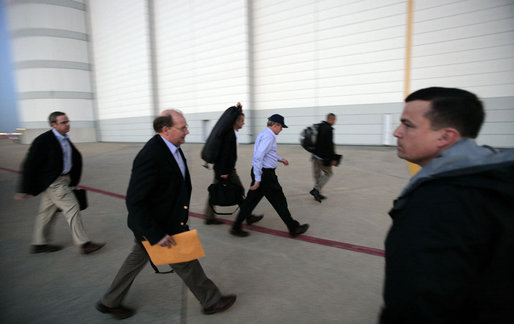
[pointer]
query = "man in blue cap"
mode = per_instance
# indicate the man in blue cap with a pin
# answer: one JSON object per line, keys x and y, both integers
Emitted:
{"x": 265, "y": 181}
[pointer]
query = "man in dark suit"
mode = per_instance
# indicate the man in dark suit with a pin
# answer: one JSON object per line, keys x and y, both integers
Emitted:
{"x": 158, "y": 202}
{"x": 224, "y": 167}
{"x": 53, "y": 165}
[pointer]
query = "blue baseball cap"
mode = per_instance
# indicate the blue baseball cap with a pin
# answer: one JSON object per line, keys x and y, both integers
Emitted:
{"x": 278, "y": 119}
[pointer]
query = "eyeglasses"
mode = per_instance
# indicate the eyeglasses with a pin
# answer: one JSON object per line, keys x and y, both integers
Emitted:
{"x": 61, "y": 123}
{"x": 182, "y": 129}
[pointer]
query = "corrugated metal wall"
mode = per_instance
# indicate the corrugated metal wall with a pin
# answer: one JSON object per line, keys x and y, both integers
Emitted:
{"x": 299, "y": 58}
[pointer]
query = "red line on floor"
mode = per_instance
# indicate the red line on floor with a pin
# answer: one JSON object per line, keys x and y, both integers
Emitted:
{"x": 305, "y": 238}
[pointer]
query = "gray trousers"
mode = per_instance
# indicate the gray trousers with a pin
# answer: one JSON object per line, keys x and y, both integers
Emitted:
{"x": 233, "y": 177}
{"x": 190, "y": 272}
{"x": 321, "y": 173}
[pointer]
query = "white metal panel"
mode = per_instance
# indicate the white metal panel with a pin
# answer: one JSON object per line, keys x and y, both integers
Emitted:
{"x": 54, "y": 80}
{"x": 76, "y": 109}
{"x": 465, "y": 44}
{"x": 49, "y": 48}
{"x": 326, "y": 52}
{"x": 202, "y": 54}
{"x": 121, "y": 57}
{"x": 34, "y": 15}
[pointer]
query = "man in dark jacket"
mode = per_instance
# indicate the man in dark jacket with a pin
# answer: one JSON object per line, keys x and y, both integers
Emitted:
{"x": 53, "y": 165}
{"x": 157, "y": 200}
{"x": 225, "y": 167}
{"x": 323, "y": 157}
{"x": 450, "y": 250}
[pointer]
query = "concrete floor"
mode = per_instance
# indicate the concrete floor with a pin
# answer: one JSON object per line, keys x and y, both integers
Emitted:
{"x": 333, "y": 274}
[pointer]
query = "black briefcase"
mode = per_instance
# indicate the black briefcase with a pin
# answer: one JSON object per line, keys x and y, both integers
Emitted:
{"x": 224, "y": 193}
{"x": 81, "y": 196}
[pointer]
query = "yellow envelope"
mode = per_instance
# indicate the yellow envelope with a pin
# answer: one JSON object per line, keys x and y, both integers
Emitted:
{"x": 188, "y": 248}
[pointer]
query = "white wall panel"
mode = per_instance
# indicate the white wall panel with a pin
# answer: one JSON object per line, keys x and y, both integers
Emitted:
{"x": 121, "y": 58}
{"x": 50, "y": 52}
{"x": 468, "y": 44}
{"x": 77, "y": 110}
{"x": 202, "y": 54}
{"x": 464, "y": 44}
{"x": 33, "y": 15}
{"x": 326, "y": 52}
{"x": 54, "y": 80}
{"x": 48, "y": 48}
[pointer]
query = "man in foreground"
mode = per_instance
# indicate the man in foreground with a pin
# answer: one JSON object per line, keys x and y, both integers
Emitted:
{"x": 450, "y": 250}
{"x": 158, "y": 204}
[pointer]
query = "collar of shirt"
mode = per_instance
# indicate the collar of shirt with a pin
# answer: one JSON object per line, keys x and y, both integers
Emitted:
{"x": 59, "y": 136}
{"x": 170, "y": 145}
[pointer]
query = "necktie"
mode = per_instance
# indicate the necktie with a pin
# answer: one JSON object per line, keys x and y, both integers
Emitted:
{"x": 66, "y": 155}
{"x": 180, "y": 162}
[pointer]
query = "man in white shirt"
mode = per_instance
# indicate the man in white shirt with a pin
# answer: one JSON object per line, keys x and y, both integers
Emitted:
{"x": 265, "y": 181}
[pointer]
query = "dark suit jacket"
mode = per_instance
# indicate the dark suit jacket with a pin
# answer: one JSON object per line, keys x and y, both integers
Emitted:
{"x": 324, "y": 142}
{"x": 44, "y": 164}
{"x": 227, "y": 156}
{"x": 158, "y": 195}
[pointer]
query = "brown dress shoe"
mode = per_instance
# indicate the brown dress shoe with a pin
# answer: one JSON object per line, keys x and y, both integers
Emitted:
{"x": 213, "y": 221}
{"x": 120, "y": 312}
{"x": 44, "y": 248}
{"x": 239, "y": 232}
{"x": 253, "y": 219}
{"x": 91, "y": 247}
{"x": 300, "y": 229}
{"x": 222, "y": 305}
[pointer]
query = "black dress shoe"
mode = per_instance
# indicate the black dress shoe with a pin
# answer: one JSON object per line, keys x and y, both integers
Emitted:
{"x": 253, "y": 219}
{"x": 119, "y": 312}
{"x": 91, "y": 247}
{"x": 213, "y": 221}
{"x": 222, "y": 305}
{"x": 316, "y": 195}
{"x": 239, "y": 232}
{"x": 42, "y": 248}
{"x": 300, "y": 229}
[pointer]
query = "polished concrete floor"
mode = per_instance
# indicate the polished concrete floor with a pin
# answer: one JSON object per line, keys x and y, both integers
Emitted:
{"x": 332, "y": 274}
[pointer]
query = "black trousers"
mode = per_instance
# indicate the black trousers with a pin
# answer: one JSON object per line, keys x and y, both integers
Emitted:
{"x": 271, "y": 189}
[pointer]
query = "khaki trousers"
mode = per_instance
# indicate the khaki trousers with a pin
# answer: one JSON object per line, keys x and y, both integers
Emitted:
{"x": 59, "y": 196}
{"x": 321, "y": 173}
{"x": 191, "y": 273}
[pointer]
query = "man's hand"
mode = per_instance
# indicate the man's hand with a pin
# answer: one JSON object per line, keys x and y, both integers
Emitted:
{"x": 20, "y": 196}
{"x": 335, "y": 163}
{"x": 224, "y": 176}
{"x": 255, "y": 185}
{"x": 286, "y": 162}
{"x": 167, "y": 241}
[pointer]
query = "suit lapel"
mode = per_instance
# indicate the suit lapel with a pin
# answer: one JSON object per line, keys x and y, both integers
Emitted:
{"x": 171, "y": 158}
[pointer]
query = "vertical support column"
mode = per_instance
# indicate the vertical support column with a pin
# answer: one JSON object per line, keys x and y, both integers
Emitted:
{"x": 413, "y": 168}
{"x": 153, "y": 58}
{"x": 249, "y": 113}
{"x": 386, "y": 140}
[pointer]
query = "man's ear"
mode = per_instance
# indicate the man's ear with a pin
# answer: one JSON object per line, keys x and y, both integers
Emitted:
{"x": 449, "y": 136}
